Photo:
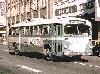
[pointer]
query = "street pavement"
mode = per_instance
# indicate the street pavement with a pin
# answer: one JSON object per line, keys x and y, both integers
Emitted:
{"x": 33, "y": 63}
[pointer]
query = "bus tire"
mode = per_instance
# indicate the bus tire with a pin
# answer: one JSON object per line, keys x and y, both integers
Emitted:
{"x": 12, "y": 53}
{"x": 16, "y": 52}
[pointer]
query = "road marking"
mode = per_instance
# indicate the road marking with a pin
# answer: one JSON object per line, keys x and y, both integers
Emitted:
{"x": 80, "y": 63}
{"x": 96, "y": 66}
{"x": 75, "y": 62}
{"x": 83, "y": 64}
{"x": 6, "y": 50}
{"x": 25, "y": 67}
{"x": 87, "y": 64}
{"x": 91, "y": 65}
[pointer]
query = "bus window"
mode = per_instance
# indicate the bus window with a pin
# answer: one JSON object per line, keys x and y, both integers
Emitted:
{"x": 55, "y": 48}
{"x": 70, "y": 29}
{"x": 59, "y": 48}
{"x": 40, "y": 30}
{"x": 31, "y": 30}
{"x": 13, "y": 31}
{"x": 27, "y": 30}
{"x": 9, "y": 31}
{"x": 17, "y": 31}
{"x": 35, "y": 30}
{"x": 45, "y": 31}
{"x": 83, "y": 29}
{"x": 77, "y": 29}
{"x": 22, "y": 31}
{"x": 59, "y": 30}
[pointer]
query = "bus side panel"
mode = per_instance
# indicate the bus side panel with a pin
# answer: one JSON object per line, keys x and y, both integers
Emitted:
{"x": 31, "y": 44}
{"x": 27, "y": 44}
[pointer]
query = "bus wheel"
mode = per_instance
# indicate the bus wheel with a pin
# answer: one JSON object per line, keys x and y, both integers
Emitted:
{"x": 12, "y": 53}
{"x": 17, "y": 52}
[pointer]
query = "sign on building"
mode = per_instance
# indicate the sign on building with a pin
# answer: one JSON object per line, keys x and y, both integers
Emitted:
{"x": 74, "y": 7}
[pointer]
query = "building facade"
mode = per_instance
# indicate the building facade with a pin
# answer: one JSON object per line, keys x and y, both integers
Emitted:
{"x": 24, "y": 10}
{"x": 74, "y": 7}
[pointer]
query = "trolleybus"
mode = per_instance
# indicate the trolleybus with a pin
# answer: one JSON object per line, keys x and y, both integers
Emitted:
{"x": 52, "y": 37}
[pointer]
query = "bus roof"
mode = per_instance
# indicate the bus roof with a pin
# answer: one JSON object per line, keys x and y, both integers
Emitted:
{"x": 71, "y": 20}
{"x": 64, "y": 20}
{"x": 20, "y": 24}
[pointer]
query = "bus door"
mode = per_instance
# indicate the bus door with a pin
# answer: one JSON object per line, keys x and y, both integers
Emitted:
{"x": 57, "y": 41}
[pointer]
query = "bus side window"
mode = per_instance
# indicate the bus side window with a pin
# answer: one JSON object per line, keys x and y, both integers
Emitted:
{"x": 50, "y": 31}
{"x": 45, "y": 31}
{"x": 35, "y": 30}
{"x": 9, "y": 31}
{"x": 13, "y": 31}
{"x": 59, "y": 33}
{"x": 22, "y": 31}
{"x": 17, "y": 31}
{"x": 40, "y": 30}
{"x": 31, "y": 30}
{"x": 59, "y": 48}
{"x": 27, "y": 30}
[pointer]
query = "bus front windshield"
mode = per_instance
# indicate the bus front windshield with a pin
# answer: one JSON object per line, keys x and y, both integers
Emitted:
{"x": 76, "y": 29}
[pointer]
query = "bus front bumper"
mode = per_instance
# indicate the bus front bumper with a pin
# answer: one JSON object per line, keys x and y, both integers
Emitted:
{"x": 77, "y": 53}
